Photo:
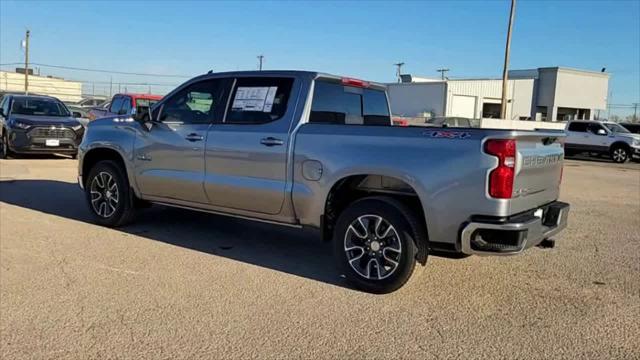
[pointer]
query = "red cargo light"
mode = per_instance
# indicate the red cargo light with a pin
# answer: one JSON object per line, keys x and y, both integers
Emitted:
{"x": 400, "y": 122}
{"x": 354, "y": 82}
{"x": 501, "y": 178}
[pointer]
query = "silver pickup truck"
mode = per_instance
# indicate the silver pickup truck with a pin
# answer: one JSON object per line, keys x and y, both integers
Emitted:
{"x": 307, "y": 149}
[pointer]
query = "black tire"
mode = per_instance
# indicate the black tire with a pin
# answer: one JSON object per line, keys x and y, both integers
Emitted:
{"x": 113, "y": 214}
{"x": 407, "y": 229}
{"x": 4, "y": 147}
{"x": 619, "y": 154}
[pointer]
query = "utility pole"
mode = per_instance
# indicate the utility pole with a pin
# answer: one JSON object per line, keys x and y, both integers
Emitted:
{"x": 399, "y": 70}
{"x": 26, "y": 63}
{"x": 110, "y": 86}
{"x": 260, "y": 58}
{"x": 505, "y": 70}
{"x": 442, "y": 72}
{"x": 635, "y": 112}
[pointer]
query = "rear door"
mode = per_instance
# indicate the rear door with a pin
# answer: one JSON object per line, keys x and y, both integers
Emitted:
{"x": 246, "y": 156}
{"x": 577, "y": 136}
{"x": 169, "y": 158}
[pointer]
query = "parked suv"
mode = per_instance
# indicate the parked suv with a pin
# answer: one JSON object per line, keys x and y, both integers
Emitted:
{"x": 37, "y": 125}
{"x": 601, "y": 138}
{"x": 306, "y": 149}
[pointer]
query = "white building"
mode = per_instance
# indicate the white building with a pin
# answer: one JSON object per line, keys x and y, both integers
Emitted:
{"x": 544, "y": 94}
{"x": 65, "y": 90}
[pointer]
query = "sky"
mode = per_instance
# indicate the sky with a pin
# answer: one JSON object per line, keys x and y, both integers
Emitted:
{"x": 360, "y": 39}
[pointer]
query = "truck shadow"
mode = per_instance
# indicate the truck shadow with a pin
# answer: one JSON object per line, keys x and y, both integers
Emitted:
{"x": 293, "y": 251}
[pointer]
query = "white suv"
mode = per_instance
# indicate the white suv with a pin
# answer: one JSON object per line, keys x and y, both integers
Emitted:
{"x": 602, "y": 137}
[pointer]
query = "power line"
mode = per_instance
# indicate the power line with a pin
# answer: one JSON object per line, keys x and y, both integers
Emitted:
{"x": 101, "y": 70}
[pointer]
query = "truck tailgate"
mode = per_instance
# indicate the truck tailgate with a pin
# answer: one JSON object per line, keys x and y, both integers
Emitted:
{"x": 538, "y": 170}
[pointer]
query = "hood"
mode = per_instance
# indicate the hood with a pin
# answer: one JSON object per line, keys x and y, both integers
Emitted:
{"x": 628, "y": 136}
{"x": 111, "y": 121}
{"x": 45, "y": 120}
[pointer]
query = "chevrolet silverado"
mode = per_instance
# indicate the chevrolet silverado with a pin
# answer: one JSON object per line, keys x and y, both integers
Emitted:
{"x": 307, "y": 149}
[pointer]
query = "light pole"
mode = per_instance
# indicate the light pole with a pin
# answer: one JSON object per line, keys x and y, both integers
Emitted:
{"x": 399, "y": 70}
{"x": 26, "y": 63}
{"x": 260, "y": 58}
{"x": 442, "y": 72}
{"x": 505, "y": 70}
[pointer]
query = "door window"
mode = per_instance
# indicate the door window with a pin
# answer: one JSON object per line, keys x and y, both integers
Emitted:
{"x": 593, "y": 128}
{"x": 578, "y": 127}
{"x": 259, "y": 100}
{"x": 196, "y": 104}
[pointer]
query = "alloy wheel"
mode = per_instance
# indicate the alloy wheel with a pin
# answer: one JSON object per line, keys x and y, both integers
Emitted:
{"x": 104, "y": 194}
{"x": 373, "y": 247}
{"x": 619, "y": 155}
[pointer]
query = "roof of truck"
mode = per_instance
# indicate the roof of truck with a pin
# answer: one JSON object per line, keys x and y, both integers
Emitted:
{"x": 311, "y": 74}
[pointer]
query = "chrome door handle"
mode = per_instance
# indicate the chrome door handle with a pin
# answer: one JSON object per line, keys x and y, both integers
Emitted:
{"x": 194, "y": 137}
{"x": 271, "y": 141}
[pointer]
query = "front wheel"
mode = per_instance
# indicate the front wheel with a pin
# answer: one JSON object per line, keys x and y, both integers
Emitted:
{"x": 619, "y": 154}
{"x": 374, "y": 244}
{"x": 108, "y": 194}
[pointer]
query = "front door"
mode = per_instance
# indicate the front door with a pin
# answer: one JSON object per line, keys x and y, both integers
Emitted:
{"x": 169, "y": 157}
{"x": 246, "y": 156}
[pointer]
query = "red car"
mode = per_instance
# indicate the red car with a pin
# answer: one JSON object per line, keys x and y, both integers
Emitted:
{"x": 125, "y": 104}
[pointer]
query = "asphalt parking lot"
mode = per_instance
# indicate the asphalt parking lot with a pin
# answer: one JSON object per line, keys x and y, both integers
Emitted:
{"x": 180, "y": 284}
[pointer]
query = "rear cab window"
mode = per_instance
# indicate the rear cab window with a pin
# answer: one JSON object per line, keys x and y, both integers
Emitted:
{"x": 259, "y": 100}
{"x": 116, "y": 105}
{"x": 338, "y": 104}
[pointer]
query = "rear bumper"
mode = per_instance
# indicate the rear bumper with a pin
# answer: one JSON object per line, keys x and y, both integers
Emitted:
{"x": 513, "y": 235}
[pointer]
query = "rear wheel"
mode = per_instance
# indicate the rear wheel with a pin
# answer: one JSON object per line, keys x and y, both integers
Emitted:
{"x": 619, "y": 154}
{"x": 108, "y": 194}
{"x": 374, "y": 244}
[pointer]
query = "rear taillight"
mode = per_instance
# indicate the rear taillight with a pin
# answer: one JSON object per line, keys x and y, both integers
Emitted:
{"x": 501, "y": 178}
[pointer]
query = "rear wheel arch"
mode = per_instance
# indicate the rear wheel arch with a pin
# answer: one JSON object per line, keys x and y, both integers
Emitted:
{"x": 352, "y": 188}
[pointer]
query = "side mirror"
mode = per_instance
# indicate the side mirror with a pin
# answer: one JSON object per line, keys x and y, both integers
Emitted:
{"x": 601, "y": 132}
{"x": 77, "y": 114}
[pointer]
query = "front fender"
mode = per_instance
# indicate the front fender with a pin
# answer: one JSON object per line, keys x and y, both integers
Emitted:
{"x": 114, "y": 135}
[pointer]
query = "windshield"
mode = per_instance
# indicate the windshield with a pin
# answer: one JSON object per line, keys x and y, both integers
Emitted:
{"x": 38, "y": 107}
{"x": 616, "y": 128}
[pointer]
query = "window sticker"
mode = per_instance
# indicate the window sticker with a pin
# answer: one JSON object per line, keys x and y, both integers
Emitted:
{"x": 254, "y": 98}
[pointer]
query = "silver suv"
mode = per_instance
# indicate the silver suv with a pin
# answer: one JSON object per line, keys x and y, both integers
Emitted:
{"x": 601, "y": 138}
